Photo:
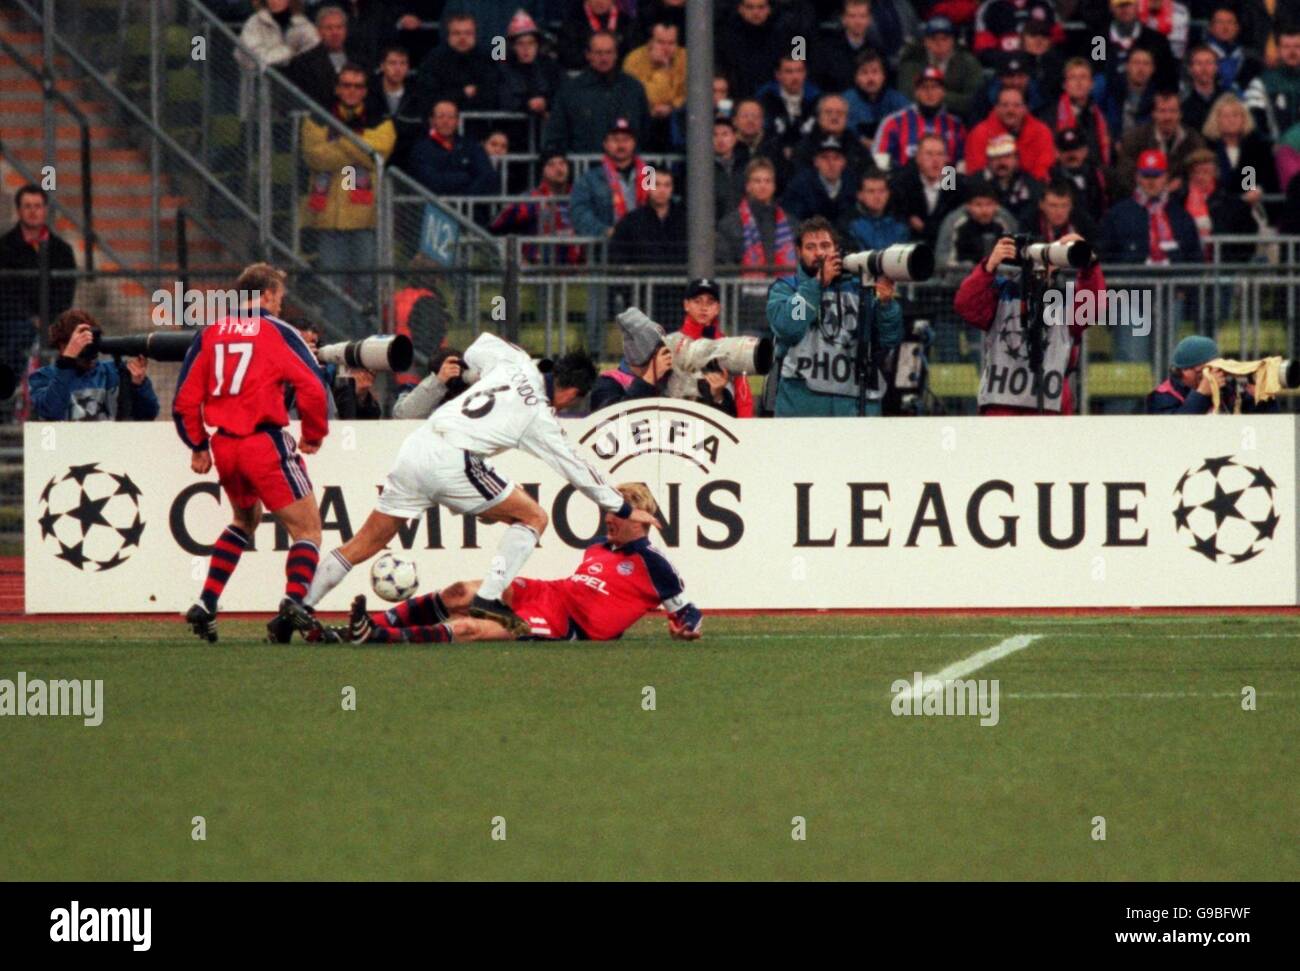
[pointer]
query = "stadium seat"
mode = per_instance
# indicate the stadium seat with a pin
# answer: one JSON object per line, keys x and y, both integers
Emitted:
{"x": 954, "y": 380}
{"x": 1272, "y": 340}
{"x": 1119, "y": 380}
{"x": 1098, "y": 344}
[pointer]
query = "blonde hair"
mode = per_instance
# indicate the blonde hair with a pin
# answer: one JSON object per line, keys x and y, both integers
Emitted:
{"x": 638, "y": 496}
{"x": 260, "y": 277}
{"x": 1211, "y": 129}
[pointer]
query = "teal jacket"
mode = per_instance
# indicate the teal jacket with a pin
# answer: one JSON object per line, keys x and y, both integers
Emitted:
{"x": 794, "y": 399}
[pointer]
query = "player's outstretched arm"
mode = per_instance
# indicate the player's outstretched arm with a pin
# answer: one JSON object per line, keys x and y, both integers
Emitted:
{"x": 686, "y": 624}
{"x": 545, "y": 439}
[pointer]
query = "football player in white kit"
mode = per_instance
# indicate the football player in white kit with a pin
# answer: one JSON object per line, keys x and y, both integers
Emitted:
{"x": 443, "y": 463}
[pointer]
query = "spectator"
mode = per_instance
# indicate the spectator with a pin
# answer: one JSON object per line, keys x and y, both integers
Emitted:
{"x": 315, "y": 70}
{"x": 928, "y": 189}
{"x": 1010, "y": 116}
{"x": 818, "y": 323}
{"x": 962, "y": 74}
{"x": 1150, "y": 227}
{"x": 1017, "y": 192}
{"x": 457, "y": 70}
{"x": 372, "y": 24}
{"x": 20, "y": 303}
{"x": 660, "y": 66}
{"x": 588, "y": 104}
{"x": 341, "y": 203}
{"x": 991, "y": 302}
{"x": 999, "y": 24}
{"x": 822, "y": 190}
{"x": 1274, "y": 96}
{"x": 871, "y": 99}
{"x": 703, "y": 306}
{"x": 593, "y": 17}
{"x": 79, "y": 386}
{"x": 1237, "y": 66}
{"x": 967, "y": 234}
{"x": 529, "y": 82}
{"x": 897, "y": 24}
{"x": 654, "y": 232}
{"x": 836, "y": 52}
{"x": 757, "y": 233}
{"x": 728, "y": 168}
{"x": 1189, "y": 388}
{"x": 1168, "y": 18}
{"x": 1202, "y": 88}
{"x": 1075, "y": 167}
{"x": 749, "y": 45}
{"x": 651, "y": 12}
{"x": 1058, "y": 216}
{"x": 833, "y": 122}
{"x": 752, "y": 140}
{"x": 1126, "y": 99}
{"x": 395, "y": 100}
{"x": 449, "y": 164}
{"x": 1288, "y": 223}
{"x": 870, "y": 224}
{"x": 1215, "y": 211}
{"x": 1126, "y": 34}
{"x": 1167, "y": 134}
{"x": 789, "y": 104}
{"x": 1076, "y": 109}
{"x": 607, "y": 192}
{"x": 1245, "y": 157}
{"x": 899, "y": 137}
{"x": 1044, "y": 61}
{"x": 274, "y": 35}
{"x": 549, "y": 216}
{"x": 1013, "y": 73}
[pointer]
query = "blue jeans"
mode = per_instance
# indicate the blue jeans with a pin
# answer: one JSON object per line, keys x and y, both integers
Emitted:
{"x": 350, "y": 250}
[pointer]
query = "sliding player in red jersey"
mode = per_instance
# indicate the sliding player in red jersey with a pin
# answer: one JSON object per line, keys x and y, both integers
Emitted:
{"x": 234, "y": 379}
{"x": 618, "y": 582}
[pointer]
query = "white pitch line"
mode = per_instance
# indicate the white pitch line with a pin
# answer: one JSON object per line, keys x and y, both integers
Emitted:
{"x": 1144, "y": 695}
{"x": 976, "y": 661}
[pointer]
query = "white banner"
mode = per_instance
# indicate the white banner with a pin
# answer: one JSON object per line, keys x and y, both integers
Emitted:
{"x": 760, "y": 514}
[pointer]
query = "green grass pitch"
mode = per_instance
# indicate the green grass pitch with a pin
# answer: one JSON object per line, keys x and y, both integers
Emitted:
{"x": 1138, "y": 720}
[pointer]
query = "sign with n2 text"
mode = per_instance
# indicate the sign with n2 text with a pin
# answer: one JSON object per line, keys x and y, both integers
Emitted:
{"x": 758, "y": 514}
{"x": 438, "y": 235}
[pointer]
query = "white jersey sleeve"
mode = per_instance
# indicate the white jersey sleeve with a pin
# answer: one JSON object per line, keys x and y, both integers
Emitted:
{"x": 545, "y": 439}
{"x": 489, "y": 351}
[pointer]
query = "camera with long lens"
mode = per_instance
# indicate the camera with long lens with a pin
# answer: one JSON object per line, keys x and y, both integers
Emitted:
{"x": 161, "y": 345}
{"x": 386, "y": 352}
{"x": 902, "y": 262}
{"x": 693, "y": 358}
{"x": 1076, "y": 254}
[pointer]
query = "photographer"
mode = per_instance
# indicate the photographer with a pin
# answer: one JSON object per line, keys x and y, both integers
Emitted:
{"x": 444, "y": 382}
{"x": 1189, "y": 389}
{"x": 992, "y": 303}
{"x": 819, "y": 324}
{"x": 81, "y": 387}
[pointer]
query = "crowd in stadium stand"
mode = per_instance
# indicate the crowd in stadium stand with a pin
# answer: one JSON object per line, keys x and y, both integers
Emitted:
{"x": 831, "y": 93}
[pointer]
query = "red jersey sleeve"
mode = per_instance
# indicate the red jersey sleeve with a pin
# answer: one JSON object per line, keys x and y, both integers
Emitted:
{"x": 191, "y": 388}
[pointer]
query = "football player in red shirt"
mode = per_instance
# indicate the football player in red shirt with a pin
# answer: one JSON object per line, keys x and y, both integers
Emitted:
{"x": 234, "y": 379}
{"x": 618, "y": 582}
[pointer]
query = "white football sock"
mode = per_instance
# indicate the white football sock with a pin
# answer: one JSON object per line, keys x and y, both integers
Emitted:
{"x": 513, "y": 551}
{"x": 329, "y": 574}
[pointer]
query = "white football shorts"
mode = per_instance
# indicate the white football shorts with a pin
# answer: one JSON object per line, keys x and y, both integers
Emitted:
{"x": 430, "y": 472}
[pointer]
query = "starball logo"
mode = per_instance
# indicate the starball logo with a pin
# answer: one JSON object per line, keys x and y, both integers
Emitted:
{"x": 90, "y": 517}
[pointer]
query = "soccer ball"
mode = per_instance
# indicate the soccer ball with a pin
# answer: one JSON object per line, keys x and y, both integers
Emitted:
{"x": 393, "y": 578}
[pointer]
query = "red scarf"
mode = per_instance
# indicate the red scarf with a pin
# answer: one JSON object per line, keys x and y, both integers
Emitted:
{"x": 785, "y": 255}
{"x": 1163, "y": 21}
{"x": 739, "y": 384}
{"x": 446, "y": 143}
{"x": 616, "y": 185}
{"x": 35, "y": 239}
{"x": 1067, "y": 116}
{"x": 1159, "y": 229}
{"x": 596, "y": 25}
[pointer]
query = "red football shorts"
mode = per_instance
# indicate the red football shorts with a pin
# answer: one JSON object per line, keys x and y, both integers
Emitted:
{"x": 262, "y": 466}
{"x": 539, "y": 603}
